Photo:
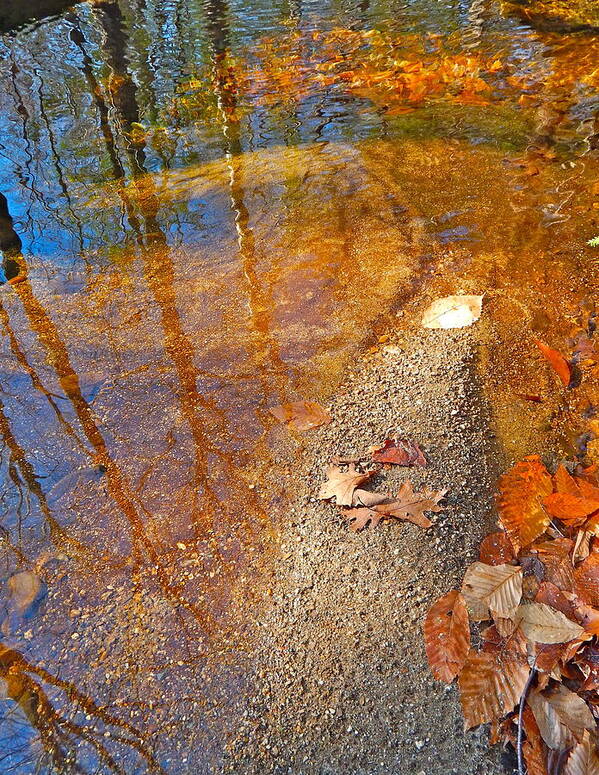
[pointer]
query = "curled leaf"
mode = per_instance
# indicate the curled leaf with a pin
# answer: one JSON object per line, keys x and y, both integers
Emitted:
{"x": 340, "y": 485}
{"x": 399, "y": 452}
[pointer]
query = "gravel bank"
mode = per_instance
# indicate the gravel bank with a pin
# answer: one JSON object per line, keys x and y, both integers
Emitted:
{"x": 342, "y": 685}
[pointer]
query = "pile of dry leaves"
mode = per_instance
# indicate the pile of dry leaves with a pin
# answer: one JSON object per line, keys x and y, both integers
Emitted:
{"x": 535, "y": 674}
{"x": 362, "y": 507}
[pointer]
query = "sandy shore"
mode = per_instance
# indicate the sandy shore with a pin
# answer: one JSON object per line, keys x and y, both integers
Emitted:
{"x": 342, "y": 685}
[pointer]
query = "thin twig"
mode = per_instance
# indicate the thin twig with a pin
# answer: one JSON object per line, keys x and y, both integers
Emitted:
{"x": 532, "y": 674}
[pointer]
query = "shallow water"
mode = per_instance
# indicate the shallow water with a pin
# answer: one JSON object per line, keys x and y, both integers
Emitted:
{"x": 206, "y": 208}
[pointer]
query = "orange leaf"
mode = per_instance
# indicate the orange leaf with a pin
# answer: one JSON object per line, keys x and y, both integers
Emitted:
{"x": 496, "y": 549}
{"x": 447, "y": 636}
{"x": 572, "y": 509}
{"x": 559, "y": 364}
{"x": 301, "y": 415}
{"x": 520, "y": 511}
{"x": 535, "y": 752}
{"x": 490, "y": 686}
{"x": 586, "y": 580}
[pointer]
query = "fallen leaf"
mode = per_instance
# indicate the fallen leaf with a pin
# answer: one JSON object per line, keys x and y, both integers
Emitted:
{"x": 362, "y": 517}
{"x": 572, "y": 711}
{"x": 24, "y": 588}
{"x": 492, "y": 590}
{"x": 367, "y": 498}
{"x": 453, "y": 312}
{"x": 410, "y": 505}
{"x": 554, "y": 732}
{"x": 586, "y": 580}
{"x": 490, "y": 686}
{"x": 535, "y": 753}
{"x": 583, "y": 758}
{"x": 301, "y": 415}
{"x": 521, "y": 489}
{"x": 399, "y": 452}
{"x": 340, "y": 485}
{"x": 555, "y": 559}
{"x": 559, "y": 364}
{"x": 496, "y": 549}
{"x": 543, "y": 624}
{"x": 447, "y": 636}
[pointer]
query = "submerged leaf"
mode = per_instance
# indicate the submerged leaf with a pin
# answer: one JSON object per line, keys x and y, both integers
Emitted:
{"x": 453, "y": 312}
{"x": 447, "y": 636}
{"x": 559, "y": 364}
{"x": 399, "y": 452}
{"x": 301, "y": 415}
{"x": 520, "y": 510}
{"x": 24, "y": 588}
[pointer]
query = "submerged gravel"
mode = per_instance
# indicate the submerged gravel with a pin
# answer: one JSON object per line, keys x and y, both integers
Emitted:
{"x": 342, "y": 685}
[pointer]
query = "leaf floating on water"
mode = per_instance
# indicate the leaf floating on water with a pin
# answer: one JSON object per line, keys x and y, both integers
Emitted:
{"x": 340, "y": 485}
{"x": 399, "y": 452}
{"x": 559, "y": 364}
{"x": 447, "y": 636}
{"x": 496, "y": 549}
{"x": 24, "y": 589}
{"x": 543, "y": 624}
{"x": 453, "y": 312}
{"x": 301, "y": 415}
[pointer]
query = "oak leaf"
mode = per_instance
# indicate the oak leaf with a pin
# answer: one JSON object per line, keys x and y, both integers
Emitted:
{"x": 490, "y": 686}
{"x": 408, "y": 505}
{"x": 447, "y": 636}
{"x": 340, "y": 485}
{"x": 399, "y": 452}
{"x": 492, "y": 590}
{"x": 521, "y": 513}
{"x": 559, "y": 364}
{"x": 301, "y": 415}
{"x": 543, "y": 624}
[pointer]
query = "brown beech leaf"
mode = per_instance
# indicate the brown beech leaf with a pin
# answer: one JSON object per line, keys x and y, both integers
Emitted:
{"x": 588, "y": 661}
{"x": 583, "y": 759}
{"x": 572, "y": 711}
{"x": 543, "y": 624}
{"x": 492, "y": 590}
{"x": 447, "y": 636}
{"x": 555, "y": 558}
{"x": 340, "y": 485}
{"x": 559, "y": 364}
{"x": 301, "y": 415}
{"x": 554, "y": 732}
{"x": 534, "y": 750}
{"x": 399, "y": 452}
{"x": 521, "y": 513}
{"x": 586, "y": 580}
{"x": 490, "y": 686}
{"x": 496, "y": 549}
